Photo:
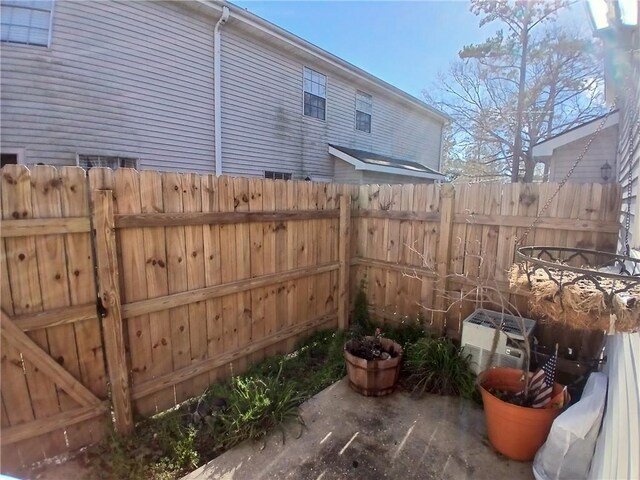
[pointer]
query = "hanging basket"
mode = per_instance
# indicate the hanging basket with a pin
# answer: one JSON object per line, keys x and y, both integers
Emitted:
{"x": 581, "y": 288}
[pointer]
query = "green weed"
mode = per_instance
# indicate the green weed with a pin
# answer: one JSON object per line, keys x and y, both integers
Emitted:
{"x": 168, "y": 445}
{"x": 161, "y": 447}
{"x": 435, "y": 365}
{"x": 405, "y": 333}
{"x": 256, "y": 406}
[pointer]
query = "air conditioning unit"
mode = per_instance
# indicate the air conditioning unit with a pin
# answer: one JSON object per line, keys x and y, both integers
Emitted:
{"x": 478, "y": 330}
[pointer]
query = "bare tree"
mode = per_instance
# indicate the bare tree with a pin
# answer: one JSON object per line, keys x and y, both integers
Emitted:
{"x": 518, "y": 88}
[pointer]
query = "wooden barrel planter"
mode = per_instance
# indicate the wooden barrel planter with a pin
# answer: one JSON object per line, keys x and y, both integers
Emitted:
{"x": 374, "y": 378}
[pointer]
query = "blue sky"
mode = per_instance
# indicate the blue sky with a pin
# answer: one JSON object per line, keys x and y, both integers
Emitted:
{"x": 404, "y": 43}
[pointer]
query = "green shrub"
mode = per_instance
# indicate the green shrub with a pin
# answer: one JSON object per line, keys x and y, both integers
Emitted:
{"x": 405, "y": 333}
{"x": 360, "y": 319}
{"x": 435, "y": 365}
{"x": 256, "y": 405}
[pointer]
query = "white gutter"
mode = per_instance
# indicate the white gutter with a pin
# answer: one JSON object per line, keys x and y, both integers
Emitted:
{"x": 379, "y": 168}
{"x": 217, "y": 107}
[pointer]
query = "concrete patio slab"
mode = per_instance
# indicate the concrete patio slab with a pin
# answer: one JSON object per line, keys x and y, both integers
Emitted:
{"x": 351, "y": 436}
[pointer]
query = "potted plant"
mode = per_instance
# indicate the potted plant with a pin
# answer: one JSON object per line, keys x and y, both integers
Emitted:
{"x": 373, "y": 364}
{"x": 520, "y": 407}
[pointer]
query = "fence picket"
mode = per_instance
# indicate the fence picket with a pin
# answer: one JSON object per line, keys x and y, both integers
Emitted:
{"x": 157, "y": 286}
{"x": 177, "y": 281}
{"x": 269, "y": 249}
{"x": 194, "y": 247}
{"x": 212, "y": 261}
{"x": 256, "y": 240}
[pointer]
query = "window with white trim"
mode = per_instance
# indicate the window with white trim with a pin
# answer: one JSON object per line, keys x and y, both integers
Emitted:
{"x": 26, "y": 22}
{"x": 315, "y": 94}
{"x": 90, "y": 161}
{"x": 364, "y": 109}
{"x": 277, "y": 175}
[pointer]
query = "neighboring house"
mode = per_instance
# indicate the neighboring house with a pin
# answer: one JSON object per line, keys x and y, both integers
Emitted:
{"x": 132, "y": 83}
{"x": 599, "y": 163}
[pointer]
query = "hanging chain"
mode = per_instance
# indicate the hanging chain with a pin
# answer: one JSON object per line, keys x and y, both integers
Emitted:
{"x": 567, "y": 176}
{"x": 627, "y": 219}
{"x": 632, "y": 149}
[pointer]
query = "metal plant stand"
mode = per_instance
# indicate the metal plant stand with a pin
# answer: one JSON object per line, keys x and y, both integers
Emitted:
{"x": 582, "y": 288}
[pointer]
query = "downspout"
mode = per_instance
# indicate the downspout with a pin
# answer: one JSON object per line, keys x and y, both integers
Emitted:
{"x": 441, "y": 150}
{"x": 217, "y": 107}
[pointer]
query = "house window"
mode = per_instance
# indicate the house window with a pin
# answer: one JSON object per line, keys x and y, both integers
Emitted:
{"x": 26, "y": 21}
{"x": 12, "y": 156}
{"x": 9, "y": 159}
{"x": 90, "y": 161}
{"x": 277, "y": 175}
{"x": 364, "y": 108}
{"x": 315, "y": 94}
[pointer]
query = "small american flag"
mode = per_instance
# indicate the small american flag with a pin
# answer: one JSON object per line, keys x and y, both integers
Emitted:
{"x": 541, "y": 383}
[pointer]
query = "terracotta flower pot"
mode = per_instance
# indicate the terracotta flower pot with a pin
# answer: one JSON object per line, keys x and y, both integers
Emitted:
{"x": 374, "y": 378}
{"x": 516, "y": 432}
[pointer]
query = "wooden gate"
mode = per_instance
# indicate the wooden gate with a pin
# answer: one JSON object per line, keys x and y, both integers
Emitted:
{"x": 54, "y": 384}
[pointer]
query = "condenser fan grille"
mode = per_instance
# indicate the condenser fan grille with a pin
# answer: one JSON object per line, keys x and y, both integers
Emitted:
{"x": 508, "y": 323}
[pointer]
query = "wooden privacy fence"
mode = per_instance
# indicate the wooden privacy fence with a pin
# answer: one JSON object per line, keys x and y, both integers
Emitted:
{"x": 197, "y": 276}
{"x": 128, "y": 292}
{"x": 419, "y": 247}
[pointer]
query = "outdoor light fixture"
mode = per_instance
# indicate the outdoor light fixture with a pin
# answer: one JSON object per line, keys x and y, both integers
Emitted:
{"x": 605, "y": 171}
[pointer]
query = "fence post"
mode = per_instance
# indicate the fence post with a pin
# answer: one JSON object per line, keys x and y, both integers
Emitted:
{"x": 343, "y": 259}
{"x": 109, "y": 291}
{"x": 447, "y": 203}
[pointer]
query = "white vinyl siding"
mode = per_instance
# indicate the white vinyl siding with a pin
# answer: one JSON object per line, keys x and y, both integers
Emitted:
{"x": 135, "y": 89}
{"x": 264, "y": 127}
{"x": 629, "y": 151}
{"x": 601, "y": 151}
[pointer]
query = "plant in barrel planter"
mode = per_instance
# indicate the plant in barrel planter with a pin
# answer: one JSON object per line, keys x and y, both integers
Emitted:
{"x": 373, "y": 364}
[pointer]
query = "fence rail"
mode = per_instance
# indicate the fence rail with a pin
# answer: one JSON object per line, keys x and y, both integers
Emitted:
{"x": 199, "y": 276}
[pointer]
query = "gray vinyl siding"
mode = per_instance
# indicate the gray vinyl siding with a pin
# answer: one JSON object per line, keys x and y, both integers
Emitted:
{"x": 135, "y": 79}
{"x": 629, "y": 149}
{"x": 601, "y": 151}
{"x": 263, "y": 126}
{"x": 115, "y": 82}
{"x": 346, "y": 173}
